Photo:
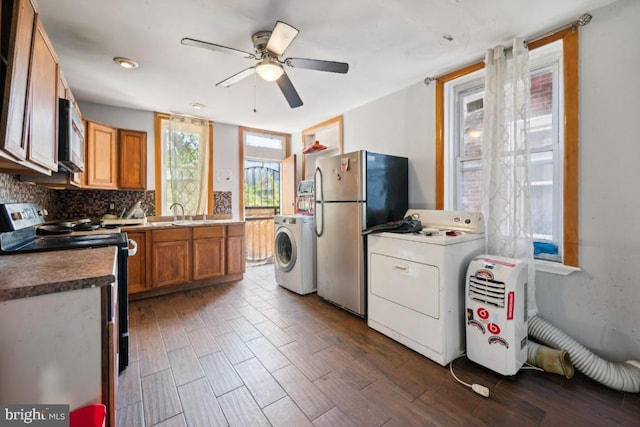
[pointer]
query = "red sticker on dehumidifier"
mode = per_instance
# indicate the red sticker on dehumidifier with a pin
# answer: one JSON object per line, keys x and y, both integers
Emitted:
{"x": 510, "y": 302}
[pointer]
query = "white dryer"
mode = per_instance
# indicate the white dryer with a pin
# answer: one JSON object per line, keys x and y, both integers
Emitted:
{"x": 295, "y": 253}
{"x": 416, "y": 282}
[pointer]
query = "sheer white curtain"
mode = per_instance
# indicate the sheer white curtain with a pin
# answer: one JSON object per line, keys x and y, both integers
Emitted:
{"x": 505, "y": 156}
{"x": 187, "y": 161}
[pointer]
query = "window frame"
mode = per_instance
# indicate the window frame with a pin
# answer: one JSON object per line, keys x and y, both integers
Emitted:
{"x": 570, "y": 163}
{"x": 157, "y": 129}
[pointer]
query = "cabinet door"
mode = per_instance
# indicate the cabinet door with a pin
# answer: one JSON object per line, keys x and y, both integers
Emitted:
{"x": 137, "y": 264}
{"x": 133, "y": 160}
{"x": 170, "y": 257}
{"x": 15, "y": 90}
{"x": 43, "y": 117}
{"x": 208, "y": 252}
{"x": 235, "y": 249}
{"x": 101, "y": 161}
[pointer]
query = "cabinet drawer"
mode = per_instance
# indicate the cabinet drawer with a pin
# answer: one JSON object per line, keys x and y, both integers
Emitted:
{"x": 171, "y": 235}
{"x": 235, "y": 230}
{"x": 207, "y": 232}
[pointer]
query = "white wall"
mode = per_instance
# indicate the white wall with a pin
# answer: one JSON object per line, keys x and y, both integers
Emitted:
{"x": 226, "y": 155}
{"x": 125, "y": 118}
{"x": 400, "y": 124}
{"x": 600, "y": 306}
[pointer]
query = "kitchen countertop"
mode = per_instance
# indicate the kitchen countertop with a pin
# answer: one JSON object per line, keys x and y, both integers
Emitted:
{"x": 163, "y": 222}
{"x": 38, "y": 273}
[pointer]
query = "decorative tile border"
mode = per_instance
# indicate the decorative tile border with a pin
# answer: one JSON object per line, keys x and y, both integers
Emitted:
{"x": 222, "y": 202}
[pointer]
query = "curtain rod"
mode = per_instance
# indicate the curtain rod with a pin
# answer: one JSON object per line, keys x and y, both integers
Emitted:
{"x": 582, "y": 20}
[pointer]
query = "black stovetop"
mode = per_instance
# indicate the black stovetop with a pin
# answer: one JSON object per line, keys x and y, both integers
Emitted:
{"x": 18, "y": 232}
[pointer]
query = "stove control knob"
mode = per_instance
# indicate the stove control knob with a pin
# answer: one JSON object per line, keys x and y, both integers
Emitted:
{"x": 467, "y": 221}
{"x": 456, "y": 219}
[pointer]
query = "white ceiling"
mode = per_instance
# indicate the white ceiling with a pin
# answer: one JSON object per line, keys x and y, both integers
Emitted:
{"x": 389, "y": 45}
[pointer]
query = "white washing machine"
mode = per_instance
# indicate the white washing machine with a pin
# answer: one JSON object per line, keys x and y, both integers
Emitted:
{"x": 295, "y": 253}
{"x": 417, "y": 281}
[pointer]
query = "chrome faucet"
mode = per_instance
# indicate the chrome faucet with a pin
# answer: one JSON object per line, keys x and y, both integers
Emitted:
{"x": 175, "y": 218}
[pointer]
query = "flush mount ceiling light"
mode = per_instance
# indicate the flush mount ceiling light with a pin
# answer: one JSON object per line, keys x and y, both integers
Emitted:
{"x": 125, "y": 63}
{"x": 197, "y": 106}
{"x": 269, "y": 69}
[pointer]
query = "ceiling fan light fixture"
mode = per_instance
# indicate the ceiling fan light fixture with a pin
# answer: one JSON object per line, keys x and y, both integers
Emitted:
{"x": 125, "y": 63}
{"x": 269, "y": 70}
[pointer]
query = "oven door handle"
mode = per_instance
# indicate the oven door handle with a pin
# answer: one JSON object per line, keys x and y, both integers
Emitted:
{"x": 134, "y": 247}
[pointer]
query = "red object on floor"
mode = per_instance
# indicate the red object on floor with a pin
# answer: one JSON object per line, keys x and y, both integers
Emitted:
{"x": 88, "y": 416}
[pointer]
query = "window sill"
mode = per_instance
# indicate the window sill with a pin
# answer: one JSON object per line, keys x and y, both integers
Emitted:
{"x": 555, "y": 268}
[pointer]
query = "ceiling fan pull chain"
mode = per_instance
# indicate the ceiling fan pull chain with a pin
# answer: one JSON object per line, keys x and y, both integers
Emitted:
{"x": 254, "y": 94}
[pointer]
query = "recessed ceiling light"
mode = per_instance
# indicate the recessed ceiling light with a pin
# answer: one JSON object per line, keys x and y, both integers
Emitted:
{"x": 197, "y": 106}
{"x": 125, "y": 63}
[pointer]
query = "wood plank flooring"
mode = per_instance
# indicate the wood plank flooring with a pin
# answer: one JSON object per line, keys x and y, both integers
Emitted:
{"x": 251, "y": 353}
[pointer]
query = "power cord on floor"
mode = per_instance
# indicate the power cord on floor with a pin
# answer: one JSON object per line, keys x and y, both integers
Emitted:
{"x": 477, "y": 388}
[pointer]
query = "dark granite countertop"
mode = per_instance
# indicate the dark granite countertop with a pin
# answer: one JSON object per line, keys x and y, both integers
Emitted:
{"x": 38, "y": 273}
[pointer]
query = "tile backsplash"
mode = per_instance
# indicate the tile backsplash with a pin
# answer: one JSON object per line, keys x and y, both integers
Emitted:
{"x": 13, "y": 190}
{"x": 95, "y": 203}
{"x": 74, "y": 204}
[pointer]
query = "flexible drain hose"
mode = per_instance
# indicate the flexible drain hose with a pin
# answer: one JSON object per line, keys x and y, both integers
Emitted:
{"x": 622, "y": 376}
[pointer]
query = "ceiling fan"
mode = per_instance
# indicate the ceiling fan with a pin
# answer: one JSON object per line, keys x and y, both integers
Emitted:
{"x": 268, "y": 47}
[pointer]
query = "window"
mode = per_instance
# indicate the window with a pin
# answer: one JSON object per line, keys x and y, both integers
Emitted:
{"x": 260, "y": 160}
{"x": 262, "y": 185}
{"x": 553, "y": 160}
{"x": 183, "y": 164}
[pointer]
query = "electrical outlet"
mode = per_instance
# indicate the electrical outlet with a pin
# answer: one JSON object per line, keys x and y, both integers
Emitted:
{"x": 112, "y": 206}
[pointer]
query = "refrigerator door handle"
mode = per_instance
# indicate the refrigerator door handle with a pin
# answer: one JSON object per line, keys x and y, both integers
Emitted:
{"x": 318, "y": 189}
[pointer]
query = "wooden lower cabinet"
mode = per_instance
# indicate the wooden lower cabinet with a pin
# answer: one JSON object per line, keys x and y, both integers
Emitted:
{"x": 137, "y": 263}
{"x": 189, "y": 256}
{"x": 170, "y": 257}
{"x": 235, "y": 249}
{"x": 208, "y": 252}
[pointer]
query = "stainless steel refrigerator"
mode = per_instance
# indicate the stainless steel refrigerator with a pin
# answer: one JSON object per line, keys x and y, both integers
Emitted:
{"x": 353, "y": 191}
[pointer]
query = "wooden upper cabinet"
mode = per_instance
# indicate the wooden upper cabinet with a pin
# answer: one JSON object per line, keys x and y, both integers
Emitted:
{"x": 43, "y": 117}
{"x": 19, "y": 34}
{"x": 133, "y": 159}
{"x": 101, "y": 162}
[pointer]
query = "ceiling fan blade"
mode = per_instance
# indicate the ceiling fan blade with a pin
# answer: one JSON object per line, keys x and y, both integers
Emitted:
{"x": 237, "y": 77}
{"x": 317, "y": 64}
{"x": 289, "y": 91}
{"x": 216, "y": 47}
{"x": 281, "y": 37}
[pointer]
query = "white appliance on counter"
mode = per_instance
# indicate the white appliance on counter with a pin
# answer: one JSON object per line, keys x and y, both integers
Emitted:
{"x": 417, "y": 281}
{"x": 294, "y": 253}
{"x": 497, "y": 327}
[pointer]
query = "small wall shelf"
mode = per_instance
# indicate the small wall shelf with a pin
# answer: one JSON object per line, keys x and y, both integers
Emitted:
{"x": 329, "y": 133}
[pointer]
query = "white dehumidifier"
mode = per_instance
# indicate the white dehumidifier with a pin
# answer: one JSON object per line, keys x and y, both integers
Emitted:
{"x": 496, "y": 301}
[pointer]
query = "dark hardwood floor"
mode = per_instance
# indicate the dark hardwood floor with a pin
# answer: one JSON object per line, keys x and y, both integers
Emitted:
{"x": 251, "y": 353}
